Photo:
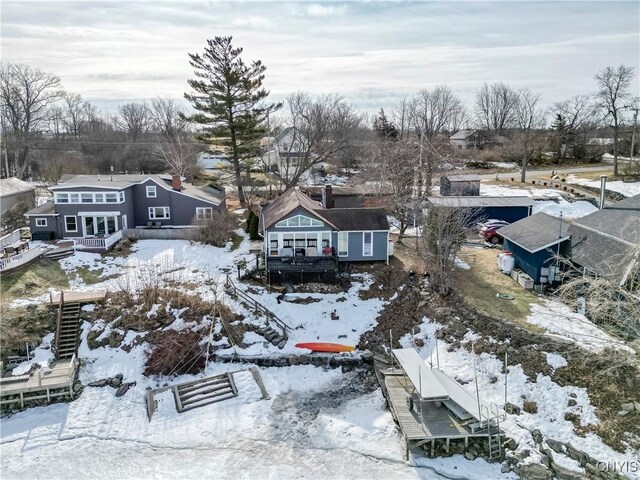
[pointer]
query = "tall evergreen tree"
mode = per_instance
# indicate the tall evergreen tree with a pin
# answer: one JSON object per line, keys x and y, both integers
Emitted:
{"x": 384, "y": 127}
{"x": 229, "y": 99}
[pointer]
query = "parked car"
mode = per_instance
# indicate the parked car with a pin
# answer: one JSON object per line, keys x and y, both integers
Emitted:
{"x": 489, "y": 230}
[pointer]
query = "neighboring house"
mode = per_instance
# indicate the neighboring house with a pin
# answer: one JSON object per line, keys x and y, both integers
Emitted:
{"x": 212, "y": 160}
{"x": 475, "y": 139}
{"x": 535, "y": 242}
{"x": 348, "y": 196}
{"x": 606, "y": 242}
{"x": 465, "y": 185}
{"x": 95, "y": 206}
{"x": 302, "y": 236}
{"x": 509, "y": 209}
{"x": 284, "y": 152}
{"x": 16, "y": 197}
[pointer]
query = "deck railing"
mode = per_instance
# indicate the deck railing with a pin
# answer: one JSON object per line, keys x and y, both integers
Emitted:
{"x": 10, "y": 238}
{"x": 19, "y": 259}
{"x": 259, "y": 308}
{"x": 99, "y": 243}
{"x": 303, "y": 264}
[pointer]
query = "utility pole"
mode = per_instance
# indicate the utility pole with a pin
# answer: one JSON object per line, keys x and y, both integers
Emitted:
{"x": 635, "y": 108}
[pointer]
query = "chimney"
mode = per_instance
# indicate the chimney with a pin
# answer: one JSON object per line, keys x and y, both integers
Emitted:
{"x": 327, "y": 197}
{"x": 176, "y": 183}
{"x": 603, "y": 186}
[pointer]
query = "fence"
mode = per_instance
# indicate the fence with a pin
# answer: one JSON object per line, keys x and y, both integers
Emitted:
{"x": 99, "y": 243}
{"x": 12, "y": 237}
{"x": 20, "y": 259}
{"x": 160, "y": 233}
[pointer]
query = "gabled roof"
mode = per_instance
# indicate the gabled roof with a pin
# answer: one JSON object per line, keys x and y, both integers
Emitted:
{"x": 283, "y": 134}
{"x": 287, "y": 203}
{"x": 356, "y": 219}
{"x": 480, "y": 201}
{"x": 621, "y": 220}
{"x": 537, "y": 232}
{"x": 12, "y": 186}
{"x": 46, "y": 208}
{"x": 462, "y": 134}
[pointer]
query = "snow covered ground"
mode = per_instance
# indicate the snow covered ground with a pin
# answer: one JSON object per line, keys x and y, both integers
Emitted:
{"x": 628, "y": 189}
{"x": 546, "y": 200}
{"x": 561, "y": 321}
{"x": 550, "y": 397}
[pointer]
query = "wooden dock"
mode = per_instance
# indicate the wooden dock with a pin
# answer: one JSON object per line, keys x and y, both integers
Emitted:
{"x": 55, "y": 381}
{"x": 79, "y": 297}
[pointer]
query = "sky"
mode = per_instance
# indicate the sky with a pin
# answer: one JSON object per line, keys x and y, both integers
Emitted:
{"x": 372, "y": 53}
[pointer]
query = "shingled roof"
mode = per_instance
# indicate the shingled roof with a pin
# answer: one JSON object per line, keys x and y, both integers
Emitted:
{"x": 357, "y": 219}
{"x": 536, "y": 232}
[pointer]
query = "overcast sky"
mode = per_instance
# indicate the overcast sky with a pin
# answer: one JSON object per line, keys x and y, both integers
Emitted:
{"x": 373, "y": 53}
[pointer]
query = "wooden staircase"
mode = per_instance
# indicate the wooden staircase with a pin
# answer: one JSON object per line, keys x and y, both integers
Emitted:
{"x": 204, "y": 391}
{"x": 67, "y": 330}
{"x": 273, "y": 336}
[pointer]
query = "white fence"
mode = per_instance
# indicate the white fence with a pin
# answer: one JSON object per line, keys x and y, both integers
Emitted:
{"x": 20, "y": 259}
{"x": 12, "y": 237}
{"x": 99, "y": 243}
{"x": 160, "y": 233}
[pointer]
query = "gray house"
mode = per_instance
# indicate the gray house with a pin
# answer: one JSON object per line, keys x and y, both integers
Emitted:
{"x": 303, "y": 236}
{"x": 95, "y": 206}
{"x": 466, "y": 185}
{"x": 16, "y": 197}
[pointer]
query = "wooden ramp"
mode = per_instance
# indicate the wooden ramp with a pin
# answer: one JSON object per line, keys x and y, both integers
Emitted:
{"x": 204, "y": 391}
{"x": 79, "y": 297}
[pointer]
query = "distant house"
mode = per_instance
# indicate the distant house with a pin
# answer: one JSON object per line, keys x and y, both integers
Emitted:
{"x": 509, "y": 209}
{"x": 535, "y": 242}
{"x": 212, "y": 160}
{"x": 348, "y": 196}
{"x": 475, "y": 139}
{"x": 605, "y": 242}
{"x": 465, "y": 185}
{"x": 303, "y": 236}
{"x": 16, "y": 197}
{"x": 95, "y": 206}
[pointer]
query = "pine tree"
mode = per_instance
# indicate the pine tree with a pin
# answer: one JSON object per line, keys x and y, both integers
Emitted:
{"x": 229, "y": 99}
{"x": 384, "y": 127}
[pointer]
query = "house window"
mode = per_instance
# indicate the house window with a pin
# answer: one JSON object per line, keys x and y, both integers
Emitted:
{"x": 99, "y": 197}
{"x": 367, "y": 244}
{"x": 203, "y": 213}
{"x": 299, "y": 221}
{"x": 111, "y": 197}
{"x": 41, "y": 222}
{"x": 74, "y": 198}
{"x": 343, "y": 244}
{"x": 121, "y": 197}
{"x": 70, "y": 223}
{"x": 273, "y": 245}
{"x": 151, "y": 191}
{"x": 89, "y": 197}
{"x": 61, "y": 198}
{"x": 159, "y": 213}
{"x": 86, "y": 197}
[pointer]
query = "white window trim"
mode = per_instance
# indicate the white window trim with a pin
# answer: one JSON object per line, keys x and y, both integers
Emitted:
{"x": 152, "y": 188}
{"x": 204, "y": 213}
{"x": 370, "y": 254}
{"x": 339, "y": 253}
{"x": 65, "y": 223}
{"x": 38, "y": 220}
{"x": 284, "y": 223}
{"x": 119, "y": 197}
{"x": 152, "y": 214}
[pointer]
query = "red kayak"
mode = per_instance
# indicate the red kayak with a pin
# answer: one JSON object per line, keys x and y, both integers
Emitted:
{"x": 326, "y": 347}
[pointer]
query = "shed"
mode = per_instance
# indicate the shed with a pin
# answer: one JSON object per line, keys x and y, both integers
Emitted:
{"x": 509, "y": 209}
{"x": 534, "y": 242}
{"x": 468, "y": 185}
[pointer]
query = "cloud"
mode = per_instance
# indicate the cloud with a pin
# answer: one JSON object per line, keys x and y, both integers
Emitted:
{"x": 317, "y": 10}
{"x": 251, "y": 21}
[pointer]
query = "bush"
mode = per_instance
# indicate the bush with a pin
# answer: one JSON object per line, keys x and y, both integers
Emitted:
{"x": 247, "y": 225}
{"x": 216, "y": 230}
{"x": 175, "y": 353}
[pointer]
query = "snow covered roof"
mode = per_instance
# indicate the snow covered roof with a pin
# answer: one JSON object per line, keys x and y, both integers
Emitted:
{"x": 480, "y": 201}
{"x": 434, "y": 384}
{"x": 462, "y": 134}
{"x": 462, "y": 178}
{"x": 12, "y": 186}
{"x": 46, "y": 208}
{"x": 536, "y": 232}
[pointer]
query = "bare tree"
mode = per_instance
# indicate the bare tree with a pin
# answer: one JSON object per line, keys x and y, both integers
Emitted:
{"x": 528, "y": 116}
{"x": 495, "y": 107}
{"x": 400, "y": 117}
{"x": 74, "y": 113}
{"x": 167, "y": 117}
{"x": 388, "y": 168}
{"x": 445, "y": 231}
{"x": 613, "y": 97}
{"x": 322, "y": 128}
{"x": 573, "y": 116}
{"x": 179, "y": 154}
{"x": 26, "y": 95}
{"x": 134, "y": 119}
{"x": 436, "y": 111}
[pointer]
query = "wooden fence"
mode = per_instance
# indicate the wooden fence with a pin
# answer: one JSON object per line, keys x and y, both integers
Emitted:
{"x": 160, "y": 233}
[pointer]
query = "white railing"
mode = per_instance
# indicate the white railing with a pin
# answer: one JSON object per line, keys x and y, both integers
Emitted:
{"x": 10, "y": 238}
{"x": 19, "y": 259}
{"x": 99, "y": 243}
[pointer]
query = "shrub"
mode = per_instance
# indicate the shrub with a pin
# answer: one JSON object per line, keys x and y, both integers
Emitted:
{"x": 175, "y": 353}
{"x": 216, "y": 230}
{"x": 253, "y": 228}
{"x": 247, "y": 226}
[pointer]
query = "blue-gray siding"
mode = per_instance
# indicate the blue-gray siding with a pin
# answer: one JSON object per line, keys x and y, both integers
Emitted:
{"x": 532, "y": 263}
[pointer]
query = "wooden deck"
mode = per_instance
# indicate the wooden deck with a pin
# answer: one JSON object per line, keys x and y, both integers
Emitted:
{"x": 79, "y": 297}
{"x": 42, "y": 383}
{"x": 426, "y": 421}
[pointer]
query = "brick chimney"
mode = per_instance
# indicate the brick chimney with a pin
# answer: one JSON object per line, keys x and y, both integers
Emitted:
{"x": 327, "y": 197}
{"x": 176, "y": 183}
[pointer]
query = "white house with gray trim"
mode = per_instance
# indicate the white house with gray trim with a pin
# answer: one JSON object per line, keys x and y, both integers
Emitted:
{"x": 98, "y": 206}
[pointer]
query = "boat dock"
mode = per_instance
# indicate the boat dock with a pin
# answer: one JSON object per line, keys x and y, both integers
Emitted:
{"x": 78, "y": 297}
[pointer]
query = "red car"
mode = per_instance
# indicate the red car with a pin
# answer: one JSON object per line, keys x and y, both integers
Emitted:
{"x": 489, "y": 230}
